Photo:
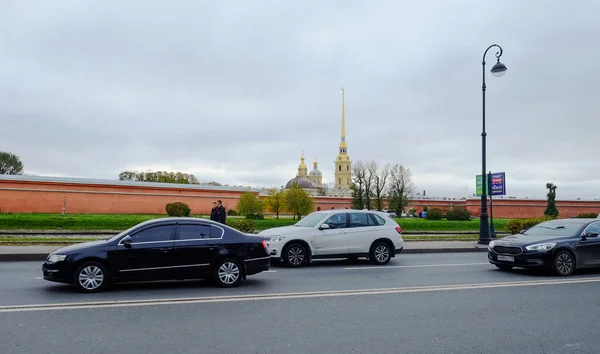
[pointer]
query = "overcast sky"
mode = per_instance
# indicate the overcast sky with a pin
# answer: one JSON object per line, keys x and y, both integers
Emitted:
{"x": 234, "y": 91}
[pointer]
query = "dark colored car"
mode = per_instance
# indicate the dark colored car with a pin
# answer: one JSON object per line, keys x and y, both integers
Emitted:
{"x": 161, "y": 249}
{"x": 562, "y": 245}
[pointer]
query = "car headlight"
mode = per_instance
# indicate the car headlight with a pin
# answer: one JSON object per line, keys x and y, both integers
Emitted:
{"x": 274, "y": 238}
{"x": 56, "y": 258}
{"x": 491, "y": 245}
{"x": 541, "y": 247}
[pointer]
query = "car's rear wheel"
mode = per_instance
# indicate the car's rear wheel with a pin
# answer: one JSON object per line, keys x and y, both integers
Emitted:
{"x": 91, "y": 277}
{"x": 228, "y": 273}
{"x": 504, "y": 267}
{"x": 295, "y": 255}
{"x": 380, "y": 253}
{"x": 564, "y": 263}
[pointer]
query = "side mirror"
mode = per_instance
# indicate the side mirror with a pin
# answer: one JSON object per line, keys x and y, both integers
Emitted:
{"x": 522, "y": 231}
{"x": 126, "y": 241}
{"x": 590, "y": 235}
{"x": 324, "y": 227}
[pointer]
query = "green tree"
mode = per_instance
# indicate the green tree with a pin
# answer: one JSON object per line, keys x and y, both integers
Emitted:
{"x": 401, "y": 188}
{"x": 551, "y": 209}
{"x": 298, "y": 202}
{"x": 249, "y": 205}
{"x": 275, "y": 202}
{"x": 358, "y": 185}
{"x": 10, "y": 164}
{"x": 159, "y": 176}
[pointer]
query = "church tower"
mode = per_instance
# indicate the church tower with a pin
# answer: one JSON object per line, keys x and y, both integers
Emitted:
{"x": 302, "y": 170}
{"x": 343, "y": 165}
{"x": 315, "y": 174}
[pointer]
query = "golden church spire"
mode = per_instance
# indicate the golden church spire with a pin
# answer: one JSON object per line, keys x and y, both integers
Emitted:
{"x": 343, "y": 118}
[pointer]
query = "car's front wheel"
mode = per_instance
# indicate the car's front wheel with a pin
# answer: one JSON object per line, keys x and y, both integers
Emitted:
{"x": 228, "y": 273}
{"x": 91, "y": 277}
{"x": 564, "y": 263}
{"x": 295, "y": 255}
{"x": 381, "y": 253}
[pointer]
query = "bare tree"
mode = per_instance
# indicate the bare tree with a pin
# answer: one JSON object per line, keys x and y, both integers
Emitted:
{"x": 370, "y": 175}
{"x": 358, "y": 179}
{"x": 401, "y": 188}
{"x": 381, "y": 178}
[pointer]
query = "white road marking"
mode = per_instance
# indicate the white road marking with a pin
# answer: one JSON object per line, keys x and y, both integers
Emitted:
{"x": 270, "y": 271}
{"x": 39, "y": 278}
{"x": 418, "y": 266}
{"x": 281, "y": 296}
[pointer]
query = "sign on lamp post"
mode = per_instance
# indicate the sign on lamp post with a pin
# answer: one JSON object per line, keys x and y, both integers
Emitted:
{"x": 496, "y": 185}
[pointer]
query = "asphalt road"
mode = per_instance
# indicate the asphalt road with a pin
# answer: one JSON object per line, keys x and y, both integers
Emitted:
{"x": 421, "y": 303}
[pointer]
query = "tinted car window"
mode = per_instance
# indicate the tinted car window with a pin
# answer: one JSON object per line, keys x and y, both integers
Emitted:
{"x": 595, "y": 227}
{"x": 378, "y": 219}
{"x": 194, "y": 232}
{"x": 154, "y": 234}
{"x": 216, "y": 232}
{"x": 359, "y": 219}
{"x": 337, "y": 221}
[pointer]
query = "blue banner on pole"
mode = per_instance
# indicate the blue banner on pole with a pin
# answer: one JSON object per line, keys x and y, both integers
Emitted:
{"x": 497, "y": 184}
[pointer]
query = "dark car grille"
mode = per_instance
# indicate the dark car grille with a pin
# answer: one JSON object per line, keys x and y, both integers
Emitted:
{"x": 507, "y": 250}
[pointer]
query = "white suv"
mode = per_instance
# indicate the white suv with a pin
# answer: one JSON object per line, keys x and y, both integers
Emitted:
{"x": 336, "y": 234}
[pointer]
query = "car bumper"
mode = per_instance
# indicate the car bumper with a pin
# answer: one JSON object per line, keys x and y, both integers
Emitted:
{"x": 257, "y": 265}
{"x": 57, "y": 272}
{"x": 524, "y": 260}
{"x": 399, "y": 250}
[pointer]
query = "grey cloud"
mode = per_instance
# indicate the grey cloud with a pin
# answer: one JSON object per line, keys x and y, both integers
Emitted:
{"x": 91, "y": 88}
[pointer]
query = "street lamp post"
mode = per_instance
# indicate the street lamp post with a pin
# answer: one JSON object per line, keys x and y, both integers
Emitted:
{"x": 498, "y": 69}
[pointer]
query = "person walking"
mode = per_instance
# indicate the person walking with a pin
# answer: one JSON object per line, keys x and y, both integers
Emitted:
{"x": 213, "y": 212}
{"x": 221, "y": 212}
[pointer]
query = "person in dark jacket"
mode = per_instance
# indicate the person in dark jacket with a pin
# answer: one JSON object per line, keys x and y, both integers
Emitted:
{"x": 213, "y": 212}
{"x": 221, "y": 212}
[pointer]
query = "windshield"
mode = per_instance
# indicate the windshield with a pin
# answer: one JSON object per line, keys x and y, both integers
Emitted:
{"x": 311, "y": 220}
{"x": 558, "y": 228}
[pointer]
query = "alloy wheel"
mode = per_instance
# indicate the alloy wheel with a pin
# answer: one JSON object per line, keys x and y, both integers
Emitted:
{"x": 229, "y": 273}
{"x": 296, "y": 255}
{"x": 382, "y": 253}
{"x": 91, "y": 277}
{"x": 564, "y": 263}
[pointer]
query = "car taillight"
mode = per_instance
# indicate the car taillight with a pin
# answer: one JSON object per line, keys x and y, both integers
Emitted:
{"x": 399, "y": 229}
{"x": 265, "y": 246}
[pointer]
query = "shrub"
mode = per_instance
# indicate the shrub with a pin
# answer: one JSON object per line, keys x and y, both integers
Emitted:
{"x": 178, "y": 209}
{"x": 243, "y": 225}
{"x": 515, "y": 226}
{"x": 434, "y": 214}
{"x": 232, "y": 212}
{"x": 458, "y": 214}
{"x": 412, "y": 211}
{"x": 588, "y": 215}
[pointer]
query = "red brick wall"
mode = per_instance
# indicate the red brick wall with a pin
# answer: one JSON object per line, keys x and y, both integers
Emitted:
{"x": 48, "y": 197}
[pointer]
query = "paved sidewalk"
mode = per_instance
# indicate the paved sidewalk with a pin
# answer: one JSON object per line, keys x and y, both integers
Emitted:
{"x": 39, "y": 253}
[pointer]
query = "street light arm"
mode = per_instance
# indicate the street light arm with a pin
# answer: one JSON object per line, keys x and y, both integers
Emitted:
{"x": 498, "y": 54}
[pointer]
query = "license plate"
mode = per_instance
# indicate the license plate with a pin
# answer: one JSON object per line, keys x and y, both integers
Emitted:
{"x": 506, "y": 258}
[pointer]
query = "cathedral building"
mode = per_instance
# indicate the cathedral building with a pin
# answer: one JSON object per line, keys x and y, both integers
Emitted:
{"x": 313, "y": 182}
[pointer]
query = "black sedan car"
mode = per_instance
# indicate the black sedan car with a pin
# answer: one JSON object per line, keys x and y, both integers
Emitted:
{"x": 562, "y": 245}
{"x": 161, "y": 249}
